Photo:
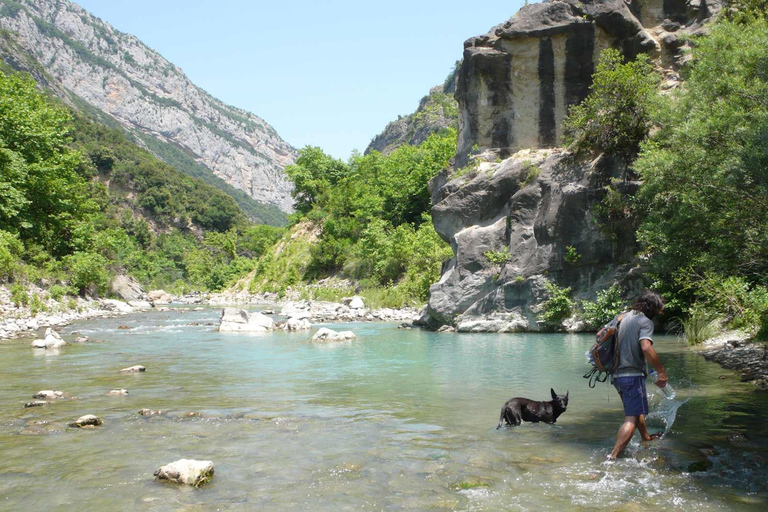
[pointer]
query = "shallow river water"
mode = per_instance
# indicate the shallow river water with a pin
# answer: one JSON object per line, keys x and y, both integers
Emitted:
{"x": 391, "y": 421}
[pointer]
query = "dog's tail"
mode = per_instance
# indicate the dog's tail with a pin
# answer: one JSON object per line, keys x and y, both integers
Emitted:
{"x": 501, "y": 417}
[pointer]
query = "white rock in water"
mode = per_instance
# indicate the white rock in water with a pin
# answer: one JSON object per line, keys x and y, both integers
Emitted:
{"x": 49, "y": 394}
{"x": 297, "y": 324}
{"x": 82, "y": 339}
{"x": 140, "y": 304}
{"x": 187, "y": 472}
{"x": 134, "y": 369}
{"x": 89, "y": 420}
{"x": 118, "y": 392}
{"x": 51, "y": 340}
{"x": 159, "y": 297}
{"x": 116, "y": 305}
{"x": 325, "y": 334}
{"x": 356, "y": 303}
{"x": 446, "y": 328}
{"x": 239, "y": 320}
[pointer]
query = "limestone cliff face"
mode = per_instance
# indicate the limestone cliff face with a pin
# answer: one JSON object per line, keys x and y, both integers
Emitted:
{"x": 516, "y": 82}
{"x": 117, "y": 74}
{"x": 524, "y": 201}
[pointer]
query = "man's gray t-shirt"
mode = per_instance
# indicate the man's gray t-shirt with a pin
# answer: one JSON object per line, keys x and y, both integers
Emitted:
{"x": 634, "y": 327}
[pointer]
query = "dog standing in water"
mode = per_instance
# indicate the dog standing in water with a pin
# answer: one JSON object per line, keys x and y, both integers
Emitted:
{"x": 517, "y": 410}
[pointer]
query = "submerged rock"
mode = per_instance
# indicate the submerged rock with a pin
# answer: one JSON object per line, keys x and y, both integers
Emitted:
{"x": 35, "y": 403}
{"x": 87, "y": 421}
{"x": 49, "y": 394}
{"x": 82, "y": 339}
{"x": 186, "y": 472}
{"x": 325, "y": 334}
{"x": 240, "y": 320}
{"x": 52, "y": 340}
{"x": 134, "y": 369}
{"x": 149, "y": 412}
{"x": 118, "y": 392}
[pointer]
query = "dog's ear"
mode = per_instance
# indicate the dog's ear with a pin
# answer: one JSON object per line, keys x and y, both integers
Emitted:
{"x": 567, "y": 393}
{"x": 554, "y": 395}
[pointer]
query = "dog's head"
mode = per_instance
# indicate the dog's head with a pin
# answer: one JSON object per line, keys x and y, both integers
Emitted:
{"x": 560, "y": 401}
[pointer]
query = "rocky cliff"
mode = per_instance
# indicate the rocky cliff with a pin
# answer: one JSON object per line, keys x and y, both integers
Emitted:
{"x": 517, "y": 211}
{"x": 149, "y": 96}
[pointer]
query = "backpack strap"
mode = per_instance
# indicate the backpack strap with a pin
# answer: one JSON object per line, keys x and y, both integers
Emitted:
{"x": 617, "y": 344}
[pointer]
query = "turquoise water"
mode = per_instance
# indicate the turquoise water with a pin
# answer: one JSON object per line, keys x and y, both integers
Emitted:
{"x": 391, "y": 421}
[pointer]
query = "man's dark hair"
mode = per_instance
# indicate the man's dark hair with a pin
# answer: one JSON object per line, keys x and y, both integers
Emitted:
{"x": 650, "y": 304}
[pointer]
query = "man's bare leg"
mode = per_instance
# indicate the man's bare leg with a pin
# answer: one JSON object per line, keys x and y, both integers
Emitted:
{"x": 625, "y": 434}
{"x": 644, "y": 431}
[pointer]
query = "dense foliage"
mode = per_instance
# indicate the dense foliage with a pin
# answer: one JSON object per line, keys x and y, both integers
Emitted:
{"x": 705, "y": 198}
{"x": 80, "y": 202}
{"x": 374, "y": 212}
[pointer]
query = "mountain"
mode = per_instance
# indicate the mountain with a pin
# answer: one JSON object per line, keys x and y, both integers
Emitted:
{"x": 116, "y": 78}
{"x": 436, "y": 112}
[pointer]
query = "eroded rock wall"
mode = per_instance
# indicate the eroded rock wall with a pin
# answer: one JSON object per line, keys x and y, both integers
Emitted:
{"x": 517, "y": 81}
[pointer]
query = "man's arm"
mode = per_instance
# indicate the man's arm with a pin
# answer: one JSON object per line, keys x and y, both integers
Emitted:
{"x": 653, "y": 358}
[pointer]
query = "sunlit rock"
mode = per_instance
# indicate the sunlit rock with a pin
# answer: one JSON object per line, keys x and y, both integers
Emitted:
{"x": 186, "y": 472}
{"x": 239, "y": 320}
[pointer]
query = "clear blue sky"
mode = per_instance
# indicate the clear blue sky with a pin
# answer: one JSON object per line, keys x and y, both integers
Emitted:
{"x": 329, "y": 74}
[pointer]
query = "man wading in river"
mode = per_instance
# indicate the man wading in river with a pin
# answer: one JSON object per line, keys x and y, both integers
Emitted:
{"x": 635, "y": 343}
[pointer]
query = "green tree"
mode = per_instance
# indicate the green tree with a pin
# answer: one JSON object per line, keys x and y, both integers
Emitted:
{"x": 617, "y": 115}
{"x": 312, "y": 174}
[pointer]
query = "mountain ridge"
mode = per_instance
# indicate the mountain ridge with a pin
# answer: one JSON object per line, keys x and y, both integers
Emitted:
{"x": 117, "y": 74}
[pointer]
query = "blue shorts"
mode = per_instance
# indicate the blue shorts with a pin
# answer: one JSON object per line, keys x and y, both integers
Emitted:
{"x": 633, "y": 395}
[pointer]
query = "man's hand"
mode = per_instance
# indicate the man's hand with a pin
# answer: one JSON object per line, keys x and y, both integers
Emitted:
{"x": 653, "y": 358}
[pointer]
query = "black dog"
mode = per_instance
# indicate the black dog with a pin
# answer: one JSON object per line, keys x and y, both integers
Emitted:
{"x": 517, "y": 410}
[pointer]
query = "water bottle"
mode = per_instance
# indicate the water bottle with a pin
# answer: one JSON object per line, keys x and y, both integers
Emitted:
{"x": 590, "y": 359}
{"x": 667, "y": 390}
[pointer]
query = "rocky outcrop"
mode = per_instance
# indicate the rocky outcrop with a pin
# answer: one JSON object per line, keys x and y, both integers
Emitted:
{"x": 516, "y": 82}
{"x": 126, "y": 288}
{"x": 186, "y": 472}
{"x": 118, "y": 75}
{"x": 510, "y": 225}
{"x": 240, "y": 320}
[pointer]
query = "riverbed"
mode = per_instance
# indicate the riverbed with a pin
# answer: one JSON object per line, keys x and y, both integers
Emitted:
{"x": 396, "y": 419}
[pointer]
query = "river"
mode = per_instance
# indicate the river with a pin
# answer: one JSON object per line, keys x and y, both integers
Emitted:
{"x": 395, "y": 420}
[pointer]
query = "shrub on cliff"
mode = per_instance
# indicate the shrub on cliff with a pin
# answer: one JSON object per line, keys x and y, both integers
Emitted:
{"x": 617, "y": 115}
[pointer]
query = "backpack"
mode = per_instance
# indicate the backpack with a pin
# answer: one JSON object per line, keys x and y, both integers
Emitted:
{"x": 604, "y": 354}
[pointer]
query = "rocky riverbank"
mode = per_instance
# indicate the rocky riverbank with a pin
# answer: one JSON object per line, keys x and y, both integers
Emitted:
{"x": 737, "y": 351}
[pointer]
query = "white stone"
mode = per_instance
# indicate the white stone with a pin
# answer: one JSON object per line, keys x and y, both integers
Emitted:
{"x": 140, "y": 304}
{"x": 49, "y": 394}
{"x": 297, "y": 324}
{"x": 186, "y": 472}
{"x": 356, "y": 303}
{"x": 293, "y": 311}
{"x": 134, "y": 369}
{"x": 116, "y": 305}
{"x": 51, "y": 340}
{"x": 239, "y": 320}
{"x": 325, "y": 334}
{"x": 118, "y": 392}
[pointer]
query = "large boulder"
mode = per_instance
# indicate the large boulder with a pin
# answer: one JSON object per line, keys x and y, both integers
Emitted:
{"x": 117, "y": 306}
{"x": 239, "y": 320}
{"x": 52, "y": 340}
{"x": 511, "y": 226}
{"x": 126, "y": 288}
{"x": 297, "y": 324}
{"x": 159, "y": 297}
{"x": 325, "y": 334}
{"x": 294, "y": 310}
{"x": 186, "y": 472}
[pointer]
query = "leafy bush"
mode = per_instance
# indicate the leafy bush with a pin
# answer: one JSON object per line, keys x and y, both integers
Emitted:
{"x": 87, "y": 272}
{"x": 617, "y": 115}
{"x": 19, "y": 295}
{"x": 10, "y": 250}
{"x": 558, "y": 305}
{"x": 572, "y": 256}
{"x": 607, "y": 305}
{"x": 741, "y": 303}
{"x": 497, "y": 257}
